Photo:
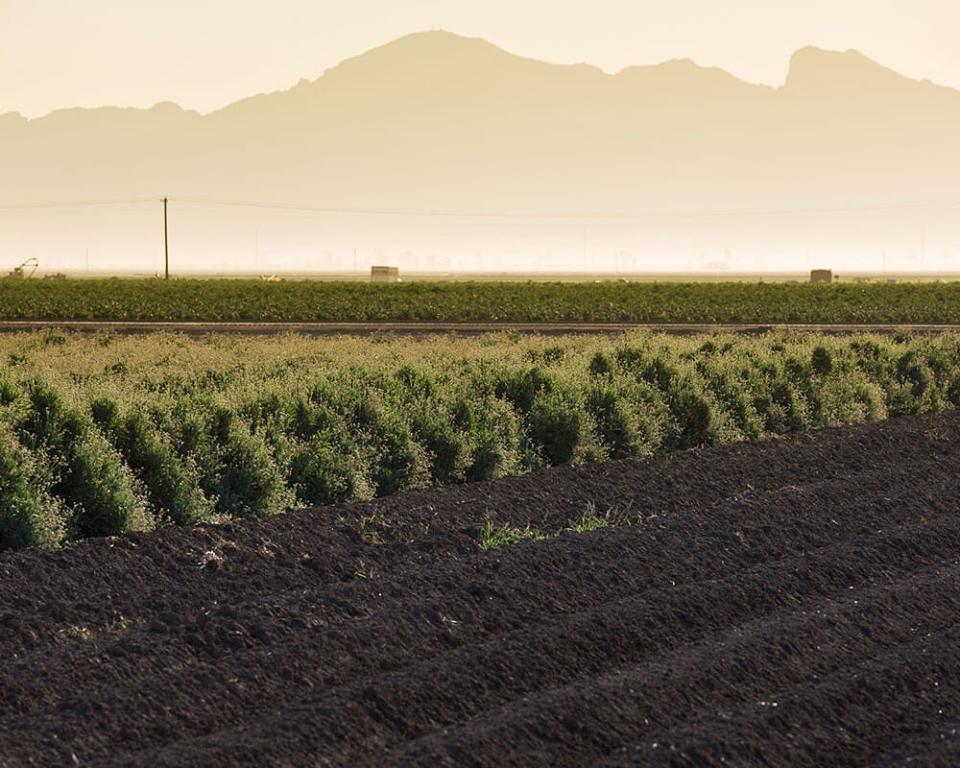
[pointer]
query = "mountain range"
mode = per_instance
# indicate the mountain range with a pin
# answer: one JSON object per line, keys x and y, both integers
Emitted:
{"x": 439, "y": 122}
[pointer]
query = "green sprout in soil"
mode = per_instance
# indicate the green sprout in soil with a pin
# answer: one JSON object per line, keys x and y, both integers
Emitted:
{"x": 588, "y": 521}
{"x": 492, "y": 538}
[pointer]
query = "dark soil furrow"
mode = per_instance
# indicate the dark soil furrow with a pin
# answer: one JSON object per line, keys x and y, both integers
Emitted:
{"x": 381, "y": 711}
{"x": 231, "y": 693}
{"x": 720, "y": 526}
{"x": 410, "y": 606}
{"x": 140, "y": 577}
{"x": 842, "y": 719}
{"x": 937, "y": 748}
{"x": 578, "y": 723}
{"x": 812, "y": 572}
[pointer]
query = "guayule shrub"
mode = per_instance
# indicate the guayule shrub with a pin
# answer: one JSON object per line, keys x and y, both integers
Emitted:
{"x": 821, "y": 360}
{"x": 694, "y": 414}
{"x": 397, "y": 461}
{"x": 448, "y": 449}
{"x": 498, "y": 442}
{"x": 90, "y": 477}
{"x": 29, "y": 516}
{"x": 522, "y": 387}
{"x": 242, "y": 475}
{"x": 171, "y": 482}
{"x": 557, "y": 424}
{"x": 327, "y": 470}
{"x": 619, "y": 425}
{"x": 99, "y": 489}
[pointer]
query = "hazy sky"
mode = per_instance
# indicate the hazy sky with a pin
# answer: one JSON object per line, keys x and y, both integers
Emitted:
{"x": 206, "y": 53}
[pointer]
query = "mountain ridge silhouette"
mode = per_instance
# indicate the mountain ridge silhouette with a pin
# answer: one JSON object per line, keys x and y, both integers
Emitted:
{"x": 434, "y": 120}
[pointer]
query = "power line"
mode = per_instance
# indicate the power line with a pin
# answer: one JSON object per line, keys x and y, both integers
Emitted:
{"x": 77, "y": 204}
{"x": 529, "y": 215}
{"x": 573, "y": 216}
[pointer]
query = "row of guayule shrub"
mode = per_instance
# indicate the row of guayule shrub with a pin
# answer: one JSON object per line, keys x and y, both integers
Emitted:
{"x": 76, "y": 462}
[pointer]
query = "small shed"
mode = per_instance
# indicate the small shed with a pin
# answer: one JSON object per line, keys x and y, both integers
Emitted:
{"x": 821, "y": 275}
{"x": 384, "y": 274}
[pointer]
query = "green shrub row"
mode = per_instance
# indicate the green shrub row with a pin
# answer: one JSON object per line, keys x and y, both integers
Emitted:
{"x": 479, "y": 302}
{"x": 104, "y": 435}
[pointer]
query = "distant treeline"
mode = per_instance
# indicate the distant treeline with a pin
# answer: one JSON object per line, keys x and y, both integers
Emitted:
{"x": 477, "y": 302}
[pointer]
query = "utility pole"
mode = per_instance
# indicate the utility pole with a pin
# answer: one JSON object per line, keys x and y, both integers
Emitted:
{"x": 166, "y": 244}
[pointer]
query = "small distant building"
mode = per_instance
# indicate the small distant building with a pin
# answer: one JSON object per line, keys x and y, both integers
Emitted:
{"x": 384, "y": 274}
{"x": 821, "y": 275}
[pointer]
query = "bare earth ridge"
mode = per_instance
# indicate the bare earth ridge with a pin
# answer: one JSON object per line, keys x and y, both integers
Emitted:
{"x": 793, "y": 602}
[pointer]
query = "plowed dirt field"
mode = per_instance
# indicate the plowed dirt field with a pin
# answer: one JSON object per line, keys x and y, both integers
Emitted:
{"x": 793, "y": 602}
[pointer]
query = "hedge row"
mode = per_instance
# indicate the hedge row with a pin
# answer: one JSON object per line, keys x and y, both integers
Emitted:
{"x": 100, "y": 436}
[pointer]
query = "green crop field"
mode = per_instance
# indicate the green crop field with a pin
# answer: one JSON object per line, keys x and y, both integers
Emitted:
{"x": 307, "y": 301}
{"x": 105, "y": 434}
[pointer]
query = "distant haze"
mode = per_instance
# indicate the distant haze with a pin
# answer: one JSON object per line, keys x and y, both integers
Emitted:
{"x": 521, "y": 165}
